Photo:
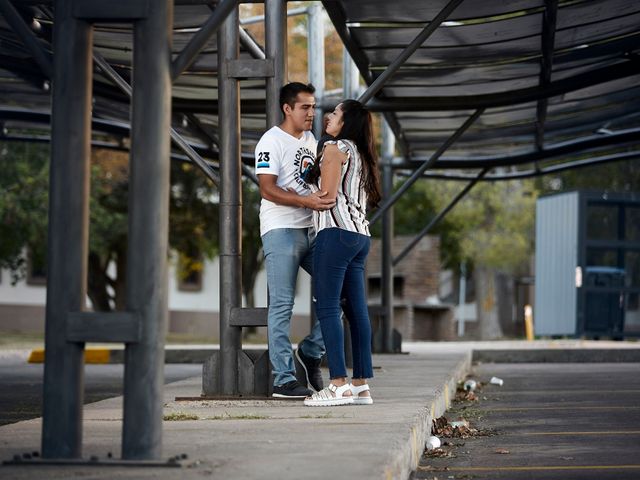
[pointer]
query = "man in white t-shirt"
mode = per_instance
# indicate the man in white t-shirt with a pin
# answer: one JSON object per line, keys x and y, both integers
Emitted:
{"x": 283, "y": 155}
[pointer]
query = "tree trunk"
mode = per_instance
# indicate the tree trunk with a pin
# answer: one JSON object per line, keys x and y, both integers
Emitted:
{"x": 486, "y": 305}
{"x": 97, "y": 284}
{"x": 505, "y": 295}
{"x": 120, "y": 282}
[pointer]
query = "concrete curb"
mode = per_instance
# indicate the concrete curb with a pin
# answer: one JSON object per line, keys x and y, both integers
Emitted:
{"x": 405, "y": 459}
{"x": 91, "y": 355}
{"x": 115, "y": 355}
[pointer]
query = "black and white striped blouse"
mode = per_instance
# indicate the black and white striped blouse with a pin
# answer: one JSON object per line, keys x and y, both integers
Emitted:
{"x": 350, "y": 210}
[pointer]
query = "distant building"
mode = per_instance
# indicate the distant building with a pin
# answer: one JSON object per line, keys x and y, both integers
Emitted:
{"x": 418, "y": 312}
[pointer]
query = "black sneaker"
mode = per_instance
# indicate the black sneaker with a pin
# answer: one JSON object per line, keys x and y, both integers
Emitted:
{"x": 291, "y": 389}
{"x": 310, "y": 369}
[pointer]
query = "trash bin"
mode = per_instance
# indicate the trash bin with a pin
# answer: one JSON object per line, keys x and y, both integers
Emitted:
{"x": 604, "y": 301}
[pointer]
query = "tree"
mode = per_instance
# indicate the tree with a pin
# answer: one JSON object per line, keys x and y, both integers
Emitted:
{"x": 24, "y": 208}
{"x": 24, "y": 203}
{"x": 491, "y": 229}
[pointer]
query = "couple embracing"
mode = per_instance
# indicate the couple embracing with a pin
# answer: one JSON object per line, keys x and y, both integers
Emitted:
{"x": 313, "y": 215}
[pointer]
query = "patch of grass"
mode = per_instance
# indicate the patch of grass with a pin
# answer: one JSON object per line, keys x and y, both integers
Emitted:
{"x": 325, "y": 415}
{"x": 243, "y": 416}
{"x": 180, "y": 416}
{"x": 21, "y": 339}
{"x": 468, "y": 412}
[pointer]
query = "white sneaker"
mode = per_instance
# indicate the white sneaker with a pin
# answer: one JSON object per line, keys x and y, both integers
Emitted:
{"x": 357, "y": 399}
{"x": 330, "y": 396}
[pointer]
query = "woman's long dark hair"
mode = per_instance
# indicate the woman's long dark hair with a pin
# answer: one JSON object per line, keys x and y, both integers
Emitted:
{"x": 358, "y": 127}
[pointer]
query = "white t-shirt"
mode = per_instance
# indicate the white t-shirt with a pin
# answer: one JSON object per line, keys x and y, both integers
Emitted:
{"x": 287, "y": 157}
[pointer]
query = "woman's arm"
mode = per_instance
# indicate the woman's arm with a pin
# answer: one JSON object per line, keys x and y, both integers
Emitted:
{"x": 331, "y": 169}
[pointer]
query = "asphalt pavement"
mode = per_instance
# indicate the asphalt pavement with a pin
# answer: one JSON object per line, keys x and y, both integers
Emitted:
{"x": 21, "y": 384}
{"x": 547, "y": 421}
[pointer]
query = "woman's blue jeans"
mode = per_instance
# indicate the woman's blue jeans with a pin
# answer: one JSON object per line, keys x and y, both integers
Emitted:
{"x": 285, "y": 251}
{"x": 338, "y": 273}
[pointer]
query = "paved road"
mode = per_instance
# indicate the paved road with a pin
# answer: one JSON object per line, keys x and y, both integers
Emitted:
{"x": 21, "y": 385}
{"x": 556, "y": 421}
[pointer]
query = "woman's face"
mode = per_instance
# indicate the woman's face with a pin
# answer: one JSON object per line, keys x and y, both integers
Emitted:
{"x": 335, "y": 121}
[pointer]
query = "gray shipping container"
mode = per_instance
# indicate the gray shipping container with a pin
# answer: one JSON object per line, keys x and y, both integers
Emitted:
{"x": 556, "y": 264}
{"x": 587, "y": 278}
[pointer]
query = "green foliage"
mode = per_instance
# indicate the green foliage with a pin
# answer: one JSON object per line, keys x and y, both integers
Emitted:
{"x": 24, "y": 215}
{"x": 500, "y": 224}
{"x": 193, "y": 220}
{"x": 493, "y": 225}
{"x": 24, "y": 203}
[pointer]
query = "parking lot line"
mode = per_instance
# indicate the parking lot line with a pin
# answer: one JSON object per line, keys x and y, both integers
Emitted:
{"x": 563, "y": 407}
{"x": 612, "y": 432}
{"x": 532, "y": 468}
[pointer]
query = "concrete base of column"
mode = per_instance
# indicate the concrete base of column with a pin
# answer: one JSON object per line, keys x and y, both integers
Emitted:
{"x": 254, "y": 374}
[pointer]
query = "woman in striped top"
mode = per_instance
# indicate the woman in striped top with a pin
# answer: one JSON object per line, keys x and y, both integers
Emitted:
{"x": 347, "y": 170}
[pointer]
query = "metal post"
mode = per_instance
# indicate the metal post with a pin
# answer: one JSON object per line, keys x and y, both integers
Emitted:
{"x": 148, "y": 242}
{"x": 68, "y": 233}
{"x": 462, "y": 297}
{"x": 350, "y": 76}
{"x": 276, "y": 49}
{"x": 315, "y": 49}
{"x": 388, "y": 146}
{"x": 230, "y": 206}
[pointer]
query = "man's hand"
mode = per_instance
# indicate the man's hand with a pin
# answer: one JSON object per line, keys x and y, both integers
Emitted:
{"x": 317, "y": 201}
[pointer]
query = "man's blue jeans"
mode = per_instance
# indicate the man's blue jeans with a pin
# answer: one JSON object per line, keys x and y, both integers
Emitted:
{"x": 285, "y": 251}
{"x": 338, "y": 268}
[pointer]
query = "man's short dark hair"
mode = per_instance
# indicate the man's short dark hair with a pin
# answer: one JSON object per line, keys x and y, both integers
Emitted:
{"x": 290, "y": 91}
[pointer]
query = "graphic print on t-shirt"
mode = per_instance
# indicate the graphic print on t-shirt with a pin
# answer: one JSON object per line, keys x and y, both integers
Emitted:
{"x": 304, "y": 160}
{"x": 263, "y": 160}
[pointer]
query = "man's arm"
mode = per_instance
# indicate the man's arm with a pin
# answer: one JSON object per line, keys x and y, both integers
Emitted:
{"x": 272, "y": 192}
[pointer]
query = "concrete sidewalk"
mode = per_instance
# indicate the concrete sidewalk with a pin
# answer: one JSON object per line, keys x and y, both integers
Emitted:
{"x": 272, "y": 439}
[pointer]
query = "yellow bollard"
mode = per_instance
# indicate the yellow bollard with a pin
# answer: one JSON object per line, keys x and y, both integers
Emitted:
{"x": 528, "y": 322}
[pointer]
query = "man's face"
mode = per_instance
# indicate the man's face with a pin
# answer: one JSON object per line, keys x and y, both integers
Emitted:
{"x": 303, "y": 111}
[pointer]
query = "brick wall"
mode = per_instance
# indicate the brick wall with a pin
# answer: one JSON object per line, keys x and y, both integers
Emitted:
{"x": 419, "y": 270}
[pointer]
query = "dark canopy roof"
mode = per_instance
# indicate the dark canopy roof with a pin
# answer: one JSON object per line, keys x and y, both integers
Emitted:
{"x": 553, "y": 77}
{"x": 556, "y": 81}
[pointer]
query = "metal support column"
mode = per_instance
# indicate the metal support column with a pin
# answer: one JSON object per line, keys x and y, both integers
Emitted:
{"x": 350, "y": 76}
{"x": 148, "y": 242}
{"x": 68, "y": 233}
{"x": 230, "y": 205}
{"x": 276, "y": 49}
{"x": 386, "y": 273}
{"x": 549, "y": 21}
{"x": 315, "y": 49}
